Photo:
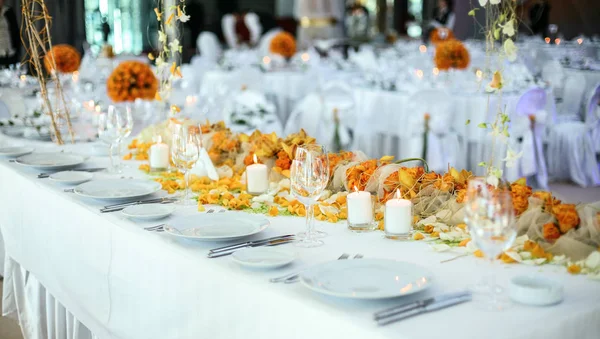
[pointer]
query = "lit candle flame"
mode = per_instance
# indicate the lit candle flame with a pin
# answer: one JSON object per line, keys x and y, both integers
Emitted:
{"x": 255, "y": 159}
{"x": 479, "y": 75}
{"x": 423, "y": 49}
{"x": 436, "y": 71}
{"x": 398, "y": 194}
{"x": 23, "y": 77}
{"x": 580, "y": 41}
{"x": 305, "y": 57}
{"x": 557, "y": 41}
{"x": 266, "y": 60}
{"x": 75, "y": 76}
{"x": 159, "y": 139}
{"x": 98, "y": 109}
{"x": 547, "y": 39}
{"x": 419, "y": 73}
{"x": 355, "y": 189}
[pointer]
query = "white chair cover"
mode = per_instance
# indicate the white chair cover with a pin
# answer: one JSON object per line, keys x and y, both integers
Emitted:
{"x": 572, "y": 150}
{"x": 209, "y": 47}
{"x": 248, "y": 110}
{"x": 228, "y": 27}
{"x": 444, "y": 145}
{"x": 251, "y": 20}
{"x": 573, "y": 95}
{"x": 527, "y": 141}
{"x": 253, "y": 23}
{"x": 554, "y": 74}
{"x": 592, "y": 117}
{"x": 265, "y": 42}
{"x": 316, "y": 114}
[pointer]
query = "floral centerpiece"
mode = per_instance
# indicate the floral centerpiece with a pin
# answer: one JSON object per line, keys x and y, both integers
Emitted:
{"x": 132, "y": 80}
{"x": 451, "y": 54}
{"x": 283, "y": 44}
{"x": 66, "y": 57}
{"x": 441, "y": 35}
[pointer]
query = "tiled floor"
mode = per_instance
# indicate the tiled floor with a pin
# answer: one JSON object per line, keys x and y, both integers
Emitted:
{"x": 9, "y": 329}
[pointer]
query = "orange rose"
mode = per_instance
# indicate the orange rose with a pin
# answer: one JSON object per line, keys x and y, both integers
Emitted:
{"x": 550, "y": 231}
{"x": 520, "y": 190}
{"x": 66, "y": 57}
{"x": 451, "y": 54}
{"x": 520, "y": 204}
{"x": 567, "y": 217}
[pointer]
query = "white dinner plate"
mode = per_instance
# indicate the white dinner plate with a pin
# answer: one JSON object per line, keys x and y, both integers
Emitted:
{"x": 71, "y": 177}
{"x": 15, "y": 151}
{"x": 217, "y": 226}
{"x": 263, "y": 257}
{"x": 117, "y": 189}
{"x": 148, "y": 212}
{"x": 50, "y": 161}
{"x": 366, "y": 278}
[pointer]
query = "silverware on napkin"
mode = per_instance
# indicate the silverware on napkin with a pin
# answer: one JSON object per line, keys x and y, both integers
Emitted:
{"x": 258, "y": 243}
{"x": 412, "y": 309}
{"x": 46, "y": 175}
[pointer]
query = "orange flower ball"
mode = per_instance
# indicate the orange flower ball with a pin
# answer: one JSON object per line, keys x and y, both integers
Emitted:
{"x": 440, "y": 35}
{"x": 451, "y": 54}
{"x": 283, "y": 44}
{"x": 66, "y": 57}
{"x": 131, "y": 80}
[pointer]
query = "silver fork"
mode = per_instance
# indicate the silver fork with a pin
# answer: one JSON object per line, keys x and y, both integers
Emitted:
{"x": 156, "y": 228}
{"x": 288, "y": 278}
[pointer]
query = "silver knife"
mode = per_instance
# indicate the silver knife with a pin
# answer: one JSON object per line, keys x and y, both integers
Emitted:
{"x": 436, "y": 305}
{"x": 120, "y": 208}
{"x": 416, "y": 304}
{"x": 266, "y": 244}
{"x": 248, "y": 243}
{"x": 149, "y": 201}
{"x": 46, "y": 175}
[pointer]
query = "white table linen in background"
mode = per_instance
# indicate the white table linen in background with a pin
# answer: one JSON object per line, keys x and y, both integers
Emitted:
{"x": 123, "y": 282}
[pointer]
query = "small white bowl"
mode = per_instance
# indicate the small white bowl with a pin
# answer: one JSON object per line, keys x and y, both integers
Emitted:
{"x": 263, "y": 257}
{"x": 536, "y": 291}
{"x": 71, "y": 177}
{"x": 148, "y": 211}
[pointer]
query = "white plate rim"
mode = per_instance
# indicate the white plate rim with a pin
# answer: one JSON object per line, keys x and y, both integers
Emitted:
{"x": 24, "y": 151}
{"x": 88, "y": 176}
{"x": 265, "y": 223}
{"x": 170, "y": 208}
{"x": 293, "y": 257}
{"x": 157, "y": 187}
{"x": 364, "y": 297}
{"x": 81, "y": 160}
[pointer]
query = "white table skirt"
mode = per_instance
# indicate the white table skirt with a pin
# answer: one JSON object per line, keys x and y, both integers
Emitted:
{"x": 123, "y": 282}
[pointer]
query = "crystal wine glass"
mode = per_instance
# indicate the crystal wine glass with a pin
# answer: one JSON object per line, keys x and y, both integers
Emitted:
{"x": 309, "y": 174}
{"x": 185, "y": 151}
{"x": 491, "y": 219}
{"x": 113, "y": 126}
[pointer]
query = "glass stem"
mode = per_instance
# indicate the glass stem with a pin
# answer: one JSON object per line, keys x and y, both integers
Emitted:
{"x": 186, "y": 176}
{"x": 491, "y": 281}
{"x": 309, "y": 221}
{"x": 111, "y": 152}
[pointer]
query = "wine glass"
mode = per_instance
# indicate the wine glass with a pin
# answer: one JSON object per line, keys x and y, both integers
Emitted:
{"x": 309, "y": 175}
{"x": 113, "y": 126}
{"x": 185, "y": 151}
{"x": 491, "y": 218}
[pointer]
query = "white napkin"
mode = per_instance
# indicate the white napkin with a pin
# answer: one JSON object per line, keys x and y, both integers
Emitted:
{"x": 204, "y": 166}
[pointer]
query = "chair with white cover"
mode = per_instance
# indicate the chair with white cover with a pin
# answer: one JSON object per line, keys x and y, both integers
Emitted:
{"x": 554, "y": 74}
{"x": 527, "y": 127}
{"x": 250, "y": 20}
{"x": 248, "y": 110}
{"x": 571, "y": 148}
{"x": 325, "y": 114}
{"x": 444, "y": 145}
{"x": 264, "y": 46}
{"x": 209, "y": 47}
{"x": 593, "y": 114}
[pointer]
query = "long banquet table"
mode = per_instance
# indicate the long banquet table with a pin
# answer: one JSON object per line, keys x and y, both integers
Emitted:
{"x": 72, "y": 272}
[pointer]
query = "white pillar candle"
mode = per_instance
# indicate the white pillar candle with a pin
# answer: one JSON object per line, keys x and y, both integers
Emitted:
{"x": 159, "y": 155}
{"x": 360, "y": 208}
{"x": 398, "y": 217}
{"x": 257, "y": 178}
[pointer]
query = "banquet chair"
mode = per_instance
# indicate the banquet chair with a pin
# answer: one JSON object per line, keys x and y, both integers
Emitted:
{"x": 209, "y": 47}
{"x": 573, "y": 95}
{"x": 247, "y": 110}
{"x": 554, "y": 74}
{"x": 319, "y": 113}
{"x": 264, "y": 46}
{"x": 229, "y": 25}
{"x": 527, "y": 127}
{"x": 571, "y": 148}
{"x": 445, "y": 147}
{"x": 592, "y": 116}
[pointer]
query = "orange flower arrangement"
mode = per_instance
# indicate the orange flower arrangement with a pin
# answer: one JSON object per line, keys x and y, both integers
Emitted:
{"x": 550, "y": 232}
{"x": 283, "y": 44}
{"x": 131, "y": 80}
{"x": 451, "y": 54}
{"x": 67, "y": 59}
{"x": 437, "y": 35}
{"x": 567, "y": 217}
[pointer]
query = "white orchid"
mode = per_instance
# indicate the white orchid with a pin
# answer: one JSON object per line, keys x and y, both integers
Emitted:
{"x": 510, "y": 49}
{"x": 183, "y": 17}
{"x": 509, "y": 28}
{"x": 162, "y": 37}
{"x": 493, "y": 2}
{"x": 512, "y": 157}
{"x": 175, "y": 47}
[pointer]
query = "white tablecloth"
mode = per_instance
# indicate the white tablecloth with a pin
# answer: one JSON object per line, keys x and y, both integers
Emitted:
{"x": 120, "y": 281}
